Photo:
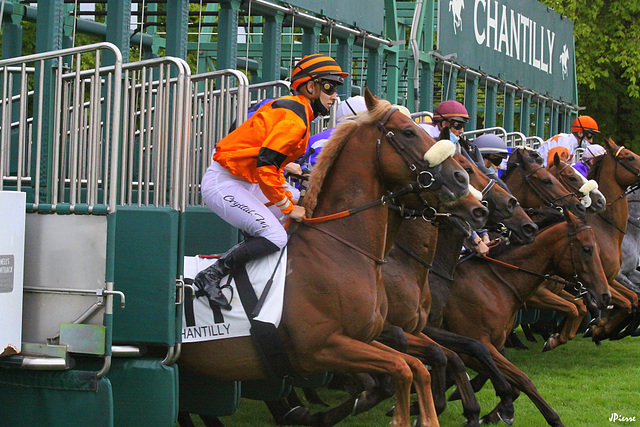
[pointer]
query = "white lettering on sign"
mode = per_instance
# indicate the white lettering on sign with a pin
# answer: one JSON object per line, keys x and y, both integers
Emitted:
{"x": 517, "y": 36}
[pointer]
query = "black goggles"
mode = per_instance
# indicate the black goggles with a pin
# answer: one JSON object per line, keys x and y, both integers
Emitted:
{"x": 495, "y": 159}
{"x": 457, "y": 125}
{"x": 589, "y": 135}
{"x": 327, "y": 86}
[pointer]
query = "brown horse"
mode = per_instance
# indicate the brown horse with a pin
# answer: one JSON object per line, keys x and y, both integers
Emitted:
{"x": 615, "y": 171}
{"x": 335, "y": 301}
{"x": 491, "y": 294}
{"x": 404, "y": 224}
{"x": 552, "y": 295}
{"x": 535, "y": 187}
{"x": 405, "y": 277}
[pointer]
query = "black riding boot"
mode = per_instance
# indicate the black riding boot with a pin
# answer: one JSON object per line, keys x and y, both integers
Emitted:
{"x": 208, "y": 280}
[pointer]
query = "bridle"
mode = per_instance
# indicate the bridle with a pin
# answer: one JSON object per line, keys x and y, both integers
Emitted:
{"x": 426, "y": 177}
{"x": 552, "y": 203}
{"x": 548, "y": 276}
{"x": 572, "y": 187}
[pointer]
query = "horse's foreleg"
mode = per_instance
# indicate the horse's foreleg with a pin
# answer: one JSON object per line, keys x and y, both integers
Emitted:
{"x": 470, "y": 406}
{"x": 430, "y": 353}
{"x": 342, "y": 354}
{"x": 544, "y": 298}
{"x": 422, "y": 385}
{"x": 479, "y": 360}
{"x": 522, "y": 382}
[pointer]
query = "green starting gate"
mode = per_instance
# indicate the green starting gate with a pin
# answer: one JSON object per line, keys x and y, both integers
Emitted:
{"x": 109, "y": 152}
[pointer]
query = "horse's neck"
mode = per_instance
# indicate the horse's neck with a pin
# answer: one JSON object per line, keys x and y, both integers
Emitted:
{"x": 617, "y": 211}
{"x": 537, "y": 257}
{"x": 518, "y": 188}
{"x": 419, "y": 237}
{"x": 448, "y": 247}
{"x": 354, "y": 181}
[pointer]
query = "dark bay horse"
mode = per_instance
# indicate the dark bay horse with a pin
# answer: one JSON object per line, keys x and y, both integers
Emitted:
{"x": 335, "y": 301}
{"x": 615, "y": 171}
{"x": 485, "y": 297}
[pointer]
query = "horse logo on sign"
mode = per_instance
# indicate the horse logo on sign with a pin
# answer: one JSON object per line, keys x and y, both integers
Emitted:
{"x": 456, "y": 6}
{"x": 564, "y": 61}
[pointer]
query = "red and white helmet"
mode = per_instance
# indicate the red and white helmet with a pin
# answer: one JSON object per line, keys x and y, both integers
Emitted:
{"x": 449, "y": 110}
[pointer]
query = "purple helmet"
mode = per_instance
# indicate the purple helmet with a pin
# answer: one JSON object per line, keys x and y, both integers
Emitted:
{"x": 450, "y": 109}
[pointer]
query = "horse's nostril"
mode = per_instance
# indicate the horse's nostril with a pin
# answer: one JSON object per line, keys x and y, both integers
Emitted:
{"x": 530, "y": 229}
{"x": 481, "y": 212}
{"x": 461, "y": 177}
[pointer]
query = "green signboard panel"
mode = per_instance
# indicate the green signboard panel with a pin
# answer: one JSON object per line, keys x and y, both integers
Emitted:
{"x": 520, "y": 41}
{"x": 370, "y": 17}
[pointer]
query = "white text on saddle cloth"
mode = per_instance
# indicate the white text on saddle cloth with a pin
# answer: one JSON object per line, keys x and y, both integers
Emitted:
{"x": 202, "y": 323}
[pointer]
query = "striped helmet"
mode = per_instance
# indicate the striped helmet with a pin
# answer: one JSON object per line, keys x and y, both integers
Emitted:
{"x": 584, "y": 123}
{"x": 316, "y": 66}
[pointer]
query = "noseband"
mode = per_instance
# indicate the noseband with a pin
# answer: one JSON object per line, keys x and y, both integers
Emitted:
{"x": 427, "y": 176}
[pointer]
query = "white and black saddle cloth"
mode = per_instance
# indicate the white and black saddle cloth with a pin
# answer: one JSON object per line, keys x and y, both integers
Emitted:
{"x": 202, "y": 321}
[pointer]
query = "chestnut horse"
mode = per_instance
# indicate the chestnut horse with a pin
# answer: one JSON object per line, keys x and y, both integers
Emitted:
{"x": 335, "y": 301}
{"x": 615, "y": 171}
{"x": 552, "y": 295}
{"x": 409, "y": 294}
{"x": 485, "y": 296}
{"x": 468, "y": 211}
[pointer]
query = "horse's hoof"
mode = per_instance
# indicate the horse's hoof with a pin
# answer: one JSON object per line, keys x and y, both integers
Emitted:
{"x": 391, "y": 411}
{"x": 296, "y": 416}
{"x": 507, "y": 420}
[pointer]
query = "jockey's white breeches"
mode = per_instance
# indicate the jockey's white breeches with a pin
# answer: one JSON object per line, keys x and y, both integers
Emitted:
{"x": 242, "y": 204}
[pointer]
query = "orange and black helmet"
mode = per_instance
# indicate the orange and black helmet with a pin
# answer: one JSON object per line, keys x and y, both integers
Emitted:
{"x": 316, "y": 66}
{"x": 585, "y": 124}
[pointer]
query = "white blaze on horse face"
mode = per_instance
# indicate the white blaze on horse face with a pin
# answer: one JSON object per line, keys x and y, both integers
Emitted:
{"x": 477, "y": 194}
{"x": 440, "y": 151}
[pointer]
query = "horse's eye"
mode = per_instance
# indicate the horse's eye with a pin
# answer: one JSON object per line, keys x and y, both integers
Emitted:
{"x": 587, "y": 250}
{"x": 408, "y": 133}
{"x": 546, "y": 181}
{"x": 469, "y": 170}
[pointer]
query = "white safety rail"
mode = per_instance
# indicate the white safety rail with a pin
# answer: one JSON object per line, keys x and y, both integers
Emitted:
{"x": 219, "y": 100}
{"x": 155, "y": 132}
{"x": 500, "y": 131}
{"x": 517, "y": 139}
{"x": 422, "y": 117}
{"x": 74, "y": 165}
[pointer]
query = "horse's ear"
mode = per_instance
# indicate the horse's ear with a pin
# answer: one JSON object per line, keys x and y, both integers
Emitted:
{"x": 370, "y": 100}
{"x": 556, "y": 160}
{"x": 570, "y": 218}
{"x": 609, "y": 145}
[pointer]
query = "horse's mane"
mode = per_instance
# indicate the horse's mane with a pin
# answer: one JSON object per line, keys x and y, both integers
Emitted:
{"x": 332, "y": 149}
{"x": 596, "y": 165}
{"x": 521, "y": 153}
{"x": 598, "y": 161}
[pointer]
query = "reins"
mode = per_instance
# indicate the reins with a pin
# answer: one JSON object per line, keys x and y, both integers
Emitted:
{"x": 411, "y": 161}
{"x": 537, "y": 191}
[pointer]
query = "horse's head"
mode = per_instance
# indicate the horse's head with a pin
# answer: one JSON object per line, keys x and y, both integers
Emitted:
{"x": 620, "y": 163}
{"x": 406, "y": 153}
{"x": 581, "y": 259}
{"x": 573, "y": 181}
{"x": 519, "y": 229}
{"x": 534, "y": 186}
{"x": 501, "y": 204}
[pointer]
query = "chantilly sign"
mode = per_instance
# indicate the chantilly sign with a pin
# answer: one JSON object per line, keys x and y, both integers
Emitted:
{"x": 520, "y": 41}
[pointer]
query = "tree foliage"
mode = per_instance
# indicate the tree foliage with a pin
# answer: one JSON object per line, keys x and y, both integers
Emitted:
{"x": 607, "y": 40}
